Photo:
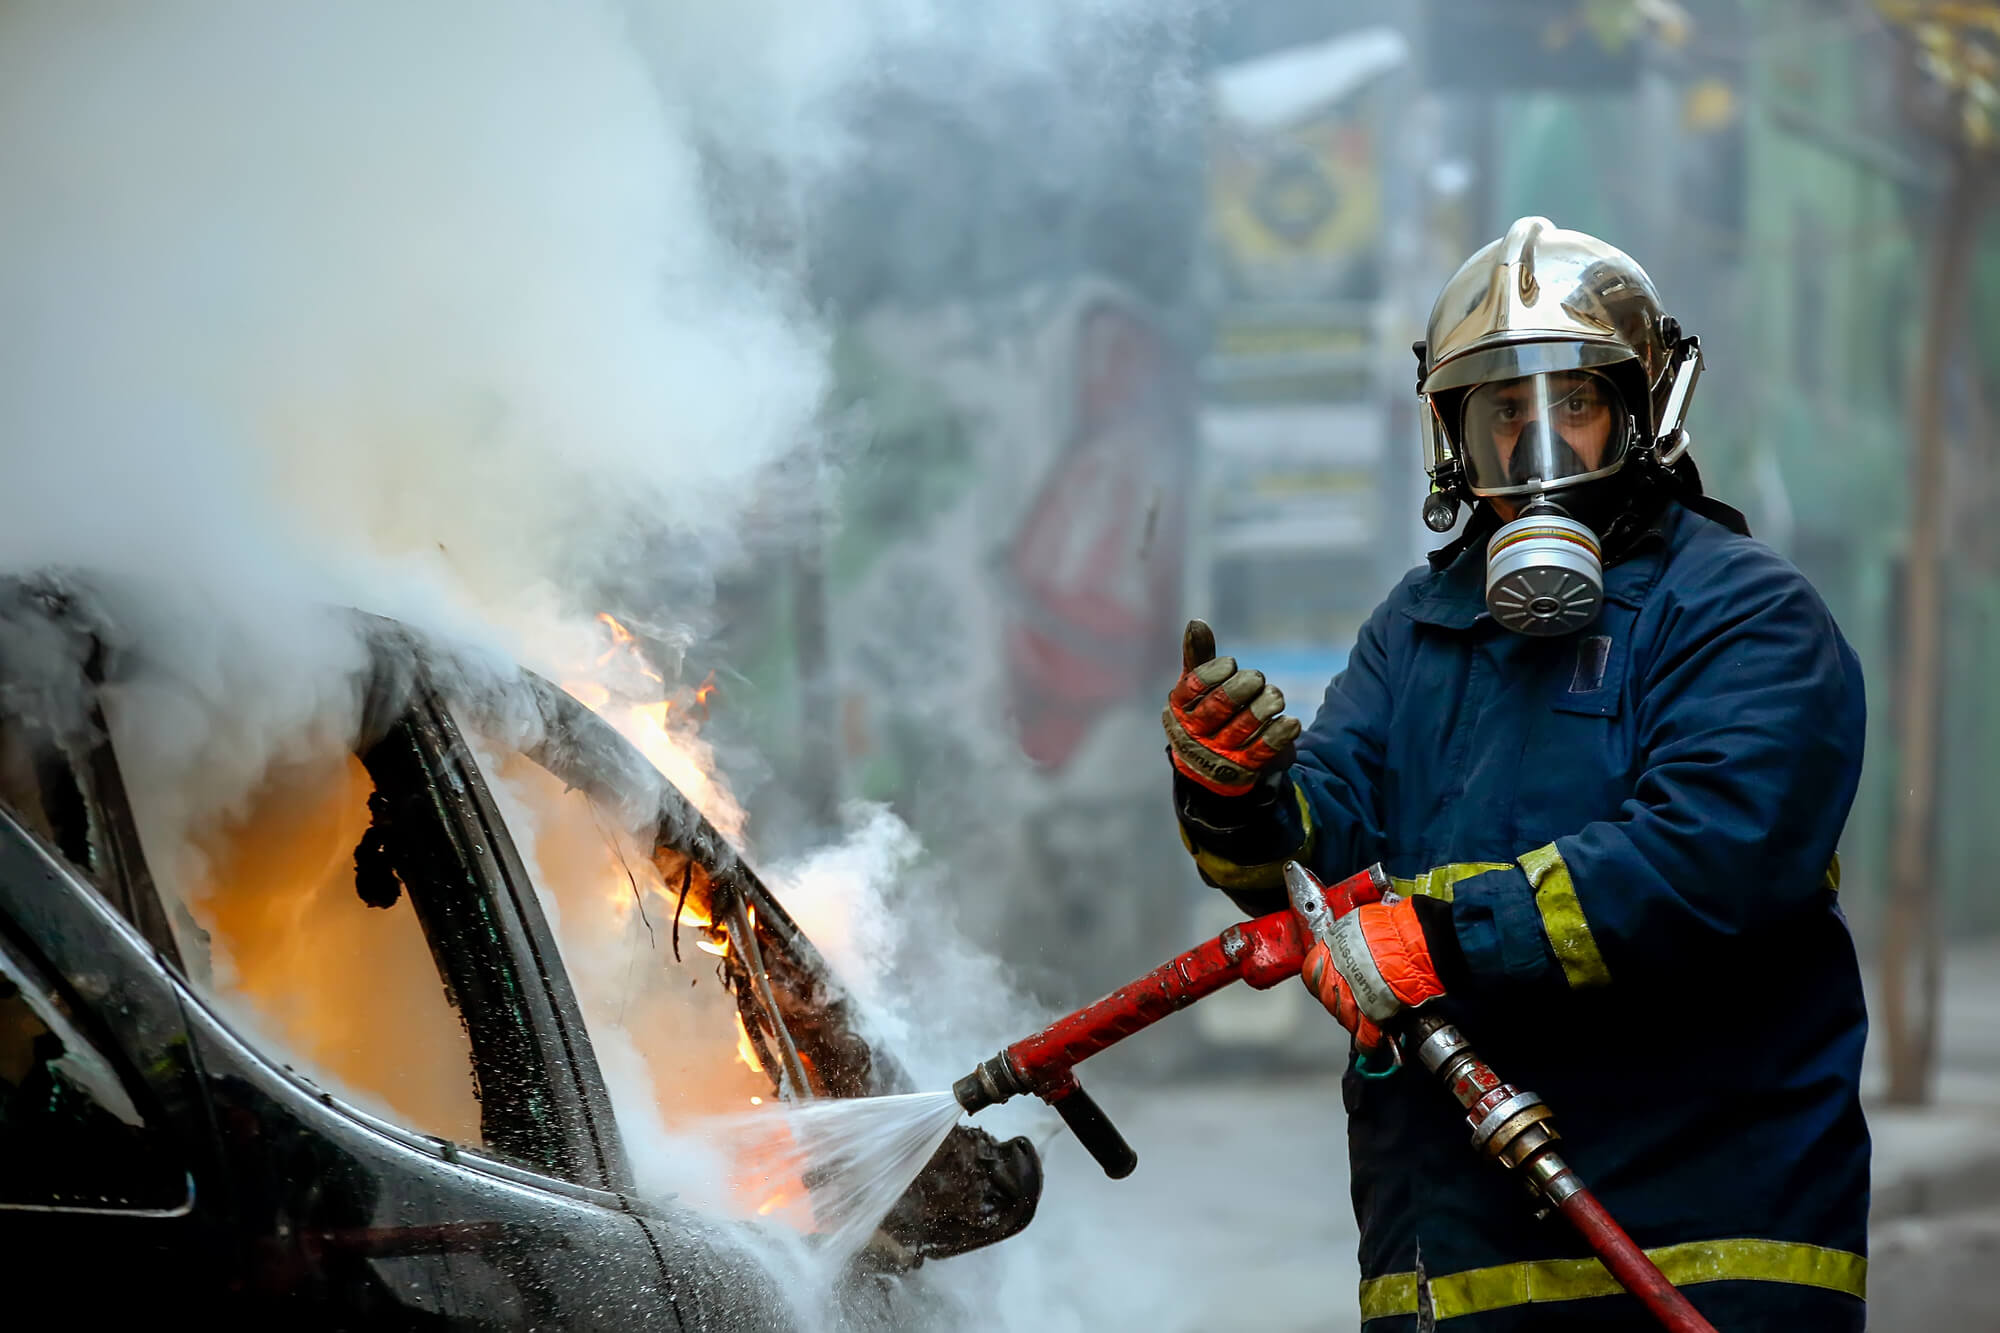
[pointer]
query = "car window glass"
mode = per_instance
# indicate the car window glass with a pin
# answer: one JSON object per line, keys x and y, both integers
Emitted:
{"x": 295, "y": 930}
{"x": 70, "y": 1135}
{"x": 667, "y": 1033}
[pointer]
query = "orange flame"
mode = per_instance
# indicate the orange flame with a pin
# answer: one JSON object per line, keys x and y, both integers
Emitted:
{"x": 627, "y": 691}
{"x": 624, "y": 643}
{"x": 746, "y": 1052}
{"x": 663, "y": 723}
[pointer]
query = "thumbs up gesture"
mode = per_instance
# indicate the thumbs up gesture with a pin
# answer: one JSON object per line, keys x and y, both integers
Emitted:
{"x": 1225, "y": 727}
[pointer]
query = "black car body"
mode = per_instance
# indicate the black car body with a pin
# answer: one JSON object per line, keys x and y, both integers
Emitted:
{"x": 157, "y": 1156}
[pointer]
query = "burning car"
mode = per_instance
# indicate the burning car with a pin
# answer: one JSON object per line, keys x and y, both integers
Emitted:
{"x": 344, "y": 1057}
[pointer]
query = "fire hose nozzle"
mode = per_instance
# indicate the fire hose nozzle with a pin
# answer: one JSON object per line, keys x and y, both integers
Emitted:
{"x": 990, "y": 1083}
{"x": 1000, "y": 1079}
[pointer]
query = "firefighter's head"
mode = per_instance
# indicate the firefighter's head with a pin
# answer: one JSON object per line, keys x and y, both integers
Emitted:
{"x": 1554, "y": 386}
{"x": 1548, "y": 364}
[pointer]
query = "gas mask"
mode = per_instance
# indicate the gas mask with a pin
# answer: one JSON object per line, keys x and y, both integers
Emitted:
{"x": 1544, "y": 572}
{"x": 1533, "y": 440}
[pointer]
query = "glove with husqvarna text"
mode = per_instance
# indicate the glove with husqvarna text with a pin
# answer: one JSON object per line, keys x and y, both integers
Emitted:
{"x": 1226, "y": 727}
{"x": 1378, "y": 960}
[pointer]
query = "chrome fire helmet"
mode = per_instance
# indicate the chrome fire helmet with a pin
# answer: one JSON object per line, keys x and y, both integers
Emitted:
{"x": 1548, "y": 363}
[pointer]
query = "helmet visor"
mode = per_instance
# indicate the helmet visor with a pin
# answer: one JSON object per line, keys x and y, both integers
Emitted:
{"x": 1541, "y": 432}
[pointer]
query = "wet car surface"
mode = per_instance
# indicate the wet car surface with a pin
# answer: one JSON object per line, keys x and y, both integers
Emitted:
{"x": 160, "y": 1149}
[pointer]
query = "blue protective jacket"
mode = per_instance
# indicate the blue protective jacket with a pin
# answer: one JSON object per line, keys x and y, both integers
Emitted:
{"x": 1635, "y": 828}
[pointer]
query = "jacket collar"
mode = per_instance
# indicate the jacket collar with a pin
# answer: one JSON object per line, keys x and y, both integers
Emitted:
{"x": 1454, "y": 597}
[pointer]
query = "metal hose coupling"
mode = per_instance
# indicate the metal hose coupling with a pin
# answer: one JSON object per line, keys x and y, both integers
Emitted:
{"x": 990, "y": 1083}
{"x": 1508, "y": 1124}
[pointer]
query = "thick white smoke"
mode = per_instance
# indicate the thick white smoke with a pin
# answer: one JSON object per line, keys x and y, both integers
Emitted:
{"x": 412, "y": 308}
{"x": 428, "y": 309}
{"x": 421, "y": 308}
{"x": 409, "y": 296}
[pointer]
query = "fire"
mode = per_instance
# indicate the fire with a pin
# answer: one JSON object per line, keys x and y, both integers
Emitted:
{"x": 273, "y": 888}
{"x": 663, "y": 723}
{"x": 272, "y": 885}
{"x": 626, "y": 690}
{"x": 622, "y": 641}
{"x": 746, "y": 1052}
{"x": 676, "y": 874}
{"x": 645, "y": 979}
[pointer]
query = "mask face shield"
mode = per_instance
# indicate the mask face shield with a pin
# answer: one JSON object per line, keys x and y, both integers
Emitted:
{"x": 1437, "y": 440}
{"x": 1541, "y": 433}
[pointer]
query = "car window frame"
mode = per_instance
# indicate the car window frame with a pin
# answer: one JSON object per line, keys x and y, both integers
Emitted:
{"x": 595, "y": 1154}
{"x": 584, "y": 1156}
{"x": 81, "y": 744}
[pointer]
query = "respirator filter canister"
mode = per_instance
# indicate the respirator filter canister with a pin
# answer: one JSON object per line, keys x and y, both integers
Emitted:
{"x": 1544, "y": 574}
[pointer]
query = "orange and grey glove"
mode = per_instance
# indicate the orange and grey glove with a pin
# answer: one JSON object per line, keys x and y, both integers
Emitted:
{"x": 1225, "y": 728}
{"x": 1378, "y": 961}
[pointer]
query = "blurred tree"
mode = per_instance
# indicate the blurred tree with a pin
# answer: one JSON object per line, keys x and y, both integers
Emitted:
{"x": 1951, "y": 97}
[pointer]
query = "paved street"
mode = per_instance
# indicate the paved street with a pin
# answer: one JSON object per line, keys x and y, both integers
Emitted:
{"x": 1254, "y": 1175}
{"x": 1237, "y": 1217}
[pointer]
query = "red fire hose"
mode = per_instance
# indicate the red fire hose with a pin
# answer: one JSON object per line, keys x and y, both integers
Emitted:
{"x": 1509, "y": 1125}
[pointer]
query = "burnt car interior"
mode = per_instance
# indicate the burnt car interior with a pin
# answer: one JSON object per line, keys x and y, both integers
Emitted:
{"x": 368, "y": 921}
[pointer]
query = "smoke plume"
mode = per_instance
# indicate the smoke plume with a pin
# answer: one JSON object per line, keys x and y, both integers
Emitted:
{"x": 460, "y": 312}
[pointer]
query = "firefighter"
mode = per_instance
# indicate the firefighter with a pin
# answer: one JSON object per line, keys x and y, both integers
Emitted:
{"x": 1604, "y": 743}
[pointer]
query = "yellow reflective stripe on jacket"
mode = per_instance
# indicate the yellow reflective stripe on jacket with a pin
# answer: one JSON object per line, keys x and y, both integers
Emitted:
{"x": 1833, "y": 874}
{"x": 1389, "y": 1295}
{"x": 1441, "y": 881}
{"x": 1562, "y": 918}
{"x": 1547, "y": 1280}
{"x": 1227, "y": 874}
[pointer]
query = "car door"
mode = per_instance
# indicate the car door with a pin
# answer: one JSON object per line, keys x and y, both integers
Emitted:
{"x": 103, "y": 1128}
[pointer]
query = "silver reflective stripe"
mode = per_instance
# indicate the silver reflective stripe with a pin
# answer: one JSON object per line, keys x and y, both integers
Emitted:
{"x": 1351, "y": 956}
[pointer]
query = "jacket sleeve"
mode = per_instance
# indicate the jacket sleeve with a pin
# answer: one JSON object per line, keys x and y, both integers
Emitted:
{"x": 1322, "y": 811}
{"x": 1750, "y": 713}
